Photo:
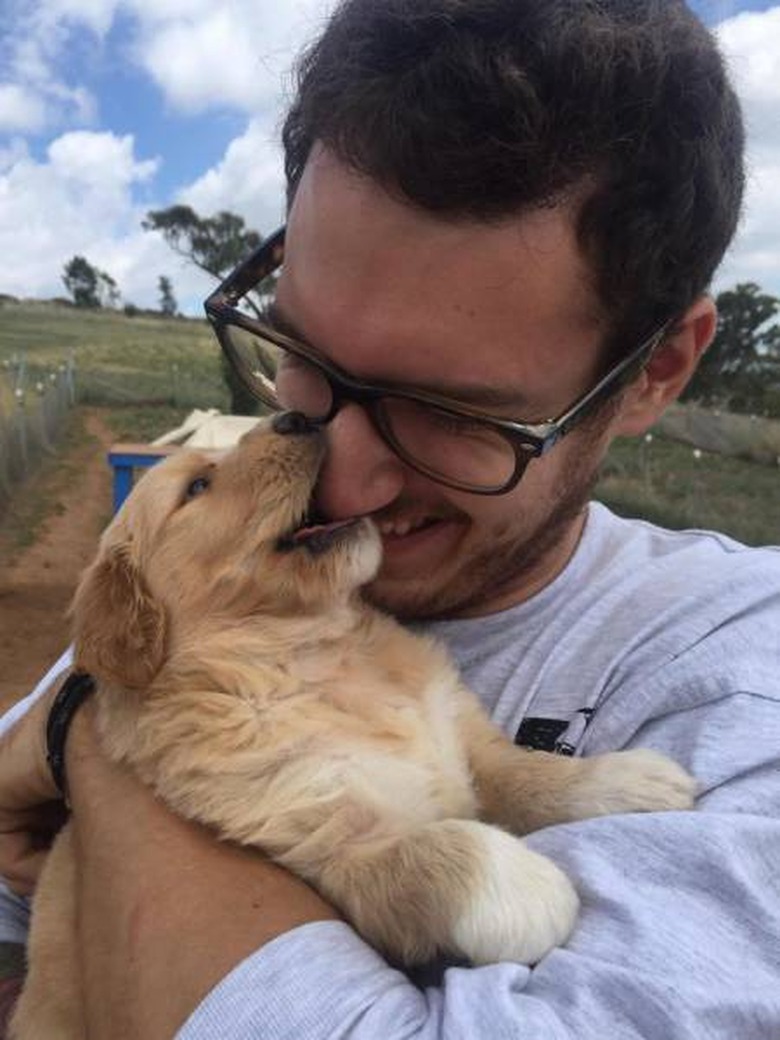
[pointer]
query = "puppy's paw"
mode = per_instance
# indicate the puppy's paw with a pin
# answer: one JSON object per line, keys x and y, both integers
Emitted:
{"x": 634, "y": 781}
{"x": 520, "y": 906}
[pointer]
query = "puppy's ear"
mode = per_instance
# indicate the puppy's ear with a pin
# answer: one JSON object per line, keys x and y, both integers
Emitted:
{"x": 119, "y": 628}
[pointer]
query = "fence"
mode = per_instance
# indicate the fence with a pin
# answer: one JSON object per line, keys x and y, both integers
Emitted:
{"x": 177, "y": 385}
{"x": 33, "y": 406}
{"x": 724, "y": 433}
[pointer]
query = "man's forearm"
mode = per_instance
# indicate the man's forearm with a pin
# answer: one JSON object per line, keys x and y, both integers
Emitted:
{"x": 156, "y": 936}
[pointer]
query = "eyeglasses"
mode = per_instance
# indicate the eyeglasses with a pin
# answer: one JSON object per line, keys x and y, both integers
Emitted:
{"x": 452, "y": 444}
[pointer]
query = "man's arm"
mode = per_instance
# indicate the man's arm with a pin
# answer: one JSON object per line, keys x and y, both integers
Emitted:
{"x": 165, "y": 909}
{"x": 30, "y": 813}
{"x": 679, "y": 924}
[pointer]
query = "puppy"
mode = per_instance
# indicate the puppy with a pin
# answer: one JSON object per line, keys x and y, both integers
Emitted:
{"x": 241, "y": 675}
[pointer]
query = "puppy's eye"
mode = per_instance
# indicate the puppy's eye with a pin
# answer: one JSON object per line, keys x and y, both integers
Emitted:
{"x": 197, "y": 487}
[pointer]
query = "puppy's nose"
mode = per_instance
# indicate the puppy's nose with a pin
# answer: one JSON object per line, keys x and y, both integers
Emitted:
{"x": 292, "y": 422}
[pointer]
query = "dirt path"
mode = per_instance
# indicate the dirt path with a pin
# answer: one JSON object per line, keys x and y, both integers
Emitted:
{"x": 36, "y": 584}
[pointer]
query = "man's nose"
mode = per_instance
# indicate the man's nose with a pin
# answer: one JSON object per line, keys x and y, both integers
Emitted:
{"x": 361, "y": 473}
{"x": 292, "y": 422}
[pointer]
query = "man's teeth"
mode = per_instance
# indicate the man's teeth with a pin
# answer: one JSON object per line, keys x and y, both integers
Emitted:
{"x": 399, "y": 528}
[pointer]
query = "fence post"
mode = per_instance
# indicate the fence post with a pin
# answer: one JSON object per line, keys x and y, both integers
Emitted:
{"x": 175, "y": 383}
{"x": 21, "y": 430}
{"x": 70, "y": 381}
{"x": 5, "y": 453}
{"x": 30, "y": 422}
{"x": 43, "y": 433}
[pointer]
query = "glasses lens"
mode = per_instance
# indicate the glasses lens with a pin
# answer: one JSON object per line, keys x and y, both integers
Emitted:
{"x": 463, "y": 451}
{"x": 255, "y": 359}
{"x": 277, "y": 377}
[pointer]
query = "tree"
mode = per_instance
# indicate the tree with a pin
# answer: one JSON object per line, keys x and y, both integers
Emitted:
{"x": 108, "y": 291}
{"x": 215, "y": 245}
{"x": 81, "y": 280}
{"x": 168, "y": 305}
{"x": 741, "y": 368}
{"x": 88, "y": 285}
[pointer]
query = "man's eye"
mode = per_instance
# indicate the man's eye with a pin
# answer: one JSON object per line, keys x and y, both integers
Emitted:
{"x": 197, "y": 487}
{"x": 447, "y": 422}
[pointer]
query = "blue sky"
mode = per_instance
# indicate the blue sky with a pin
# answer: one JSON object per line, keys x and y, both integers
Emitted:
{"x": 109, "y": 108}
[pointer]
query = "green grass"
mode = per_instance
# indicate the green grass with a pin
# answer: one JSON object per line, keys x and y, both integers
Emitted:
{"x": 667, "y": 483}
{"x": 144, "y": 424}
{"x": 119, "y": 359}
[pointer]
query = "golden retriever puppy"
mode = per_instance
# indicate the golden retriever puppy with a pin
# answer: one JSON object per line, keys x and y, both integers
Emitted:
{"x": 243, "y": 677}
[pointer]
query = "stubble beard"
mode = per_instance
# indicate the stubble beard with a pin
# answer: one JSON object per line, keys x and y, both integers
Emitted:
{"x": 507, "y": 565}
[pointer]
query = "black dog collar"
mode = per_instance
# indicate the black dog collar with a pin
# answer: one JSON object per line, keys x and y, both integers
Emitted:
{"x": 71, "y": 695}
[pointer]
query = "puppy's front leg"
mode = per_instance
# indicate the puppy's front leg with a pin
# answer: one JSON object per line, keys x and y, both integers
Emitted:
{"x": 526, "y": 790}
{"x": 457, "y": 887}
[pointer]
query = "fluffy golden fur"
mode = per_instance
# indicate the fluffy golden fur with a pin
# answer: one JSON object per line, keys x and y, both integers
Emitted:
{"x": 242, "y": 677}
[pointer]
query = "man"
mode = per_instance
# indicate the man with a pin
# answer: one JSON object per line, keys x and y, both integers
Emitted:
{"x": 492, "y": 201}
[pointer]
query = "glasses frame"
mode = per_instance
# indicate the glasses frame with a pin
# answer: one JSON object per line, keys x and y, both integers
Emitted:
{"x": 528, "y": 440}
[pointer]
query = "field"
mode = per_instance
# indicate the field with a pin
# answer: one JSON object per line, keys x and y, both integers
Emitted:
{"x": 677, "y": 486}
{"x": 119, "y": 360}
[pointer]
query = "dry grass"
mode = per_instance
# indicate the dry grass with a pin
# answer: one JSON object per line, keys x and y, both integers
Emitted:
{"x": 119, "y": 360}
{"x": 677, "y": 486}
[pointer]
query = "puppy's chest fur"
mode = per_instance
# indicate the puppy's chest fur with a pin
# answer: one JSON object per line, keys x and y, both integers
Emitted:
{"x": 268, "y": 740}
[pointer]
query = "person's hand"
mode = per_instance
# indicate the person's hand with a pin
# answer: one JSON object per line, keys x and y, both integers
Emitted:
{"x": 31, "y": 810}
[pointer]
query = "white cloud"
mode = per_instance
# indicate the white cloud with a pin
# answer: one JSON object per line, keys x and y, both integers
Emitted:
{"x": 248, "y": 180}
{"x": 751, "y": 43}
{"x": 83, "y": 196}
{"x": 79, "y": 201}
{"x": 21, "y": 109}
{"x": 748, "y": 40}
{"x": 203, "y": 55}
{"x": 14, "y": 152}
{"x": 99, "y": 161}
{"x": 51, "y": 18}
{"x": 34, "y": 39}
{"x": 188, "y": 61}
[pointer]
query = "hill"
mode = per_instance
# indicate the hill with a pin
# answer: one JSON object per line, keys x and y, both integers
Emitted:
{"x": 119, "y": 359}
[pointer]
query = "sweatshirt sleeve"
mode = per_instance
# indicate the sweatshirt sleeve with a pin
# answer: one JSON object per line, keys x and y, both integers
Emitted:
{"x": 17, "y": 710}
{"x": 678, "y": 936}
{"x": 14, "y": 910}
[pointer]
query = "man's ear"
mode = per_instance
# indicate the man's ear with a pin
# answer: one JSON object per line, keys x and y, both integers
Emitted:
{"x": 671, "y": 366}
{"x": 119, "y": 628}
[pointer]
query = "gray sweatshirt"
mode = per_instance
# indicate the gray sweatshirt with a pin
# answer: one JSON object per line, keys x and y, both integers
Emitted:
{"x": 649, "y": 638}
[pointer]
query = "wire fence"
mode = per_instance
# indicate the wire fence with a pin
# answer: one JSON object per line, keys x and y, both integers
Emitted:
{"x": 724, "y": 433}
{"x": 175, "y": 385}
{"x": 33, "y": 408}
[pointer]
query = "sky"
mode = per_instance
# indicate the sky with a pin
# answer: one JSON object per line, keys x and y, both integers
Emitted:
{"x": 111, "y": 108}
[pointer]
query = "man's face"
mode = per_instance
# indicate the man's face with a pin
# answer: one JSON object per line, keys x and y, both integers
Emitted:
{"x": 499, "y": 315}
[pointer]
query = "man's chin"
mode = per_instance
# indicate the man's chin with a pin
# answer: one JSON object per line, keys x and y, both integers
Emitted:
{"x": 435, "y": 596}
{"x": 408, "y": 599}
